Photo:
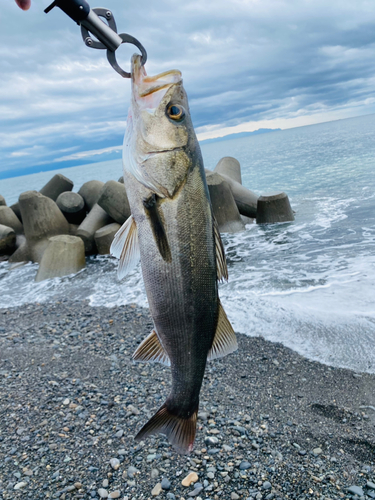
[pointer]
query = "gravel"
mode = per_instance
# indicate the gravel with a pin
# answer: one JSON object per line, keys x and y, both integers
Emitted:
{"x": 272, "y": 425}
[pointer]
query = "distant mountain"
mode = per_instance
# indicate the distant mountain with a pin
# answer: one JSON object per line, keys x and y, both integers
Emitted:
{"x": 239, "y": 135}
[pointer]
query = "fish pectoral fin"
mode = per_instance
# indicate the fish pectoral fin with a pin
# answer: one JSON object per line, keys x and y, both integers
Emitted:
{"x": 179, "y": 431}
{"x": 125, "y": 247}
{"x": 158, "y": 230}
{"x": 221, "y": 262}
{"x": 151, "y": 350}
{"x": 225, "y": 340}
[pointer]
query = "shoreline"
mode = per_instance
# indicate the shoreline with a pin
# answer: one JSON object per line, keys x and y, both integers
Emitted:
{"x": 71, "y": 398}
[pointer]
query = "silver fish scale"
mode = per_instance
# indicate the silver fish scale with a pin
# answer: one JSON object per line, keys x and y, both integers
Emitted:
{"x": 182, "y": 295}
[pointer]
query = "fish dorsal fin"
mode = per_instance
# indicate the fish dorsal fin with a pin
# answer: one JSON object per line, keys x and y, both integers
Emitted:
{"x": 125, "y": 247}
{"x": 221, "y": 263}
{"x": 151, "y": 350}
{"x": 225, "y": 340}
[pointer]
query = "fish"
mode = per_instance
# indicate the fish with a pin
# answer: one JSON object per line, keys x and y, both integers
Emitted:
{"x": 173, "y": 232}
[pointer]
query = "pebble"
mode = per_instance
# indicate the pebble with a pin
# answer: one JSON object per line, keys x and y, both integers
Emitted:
{"x": 317, "y": 451}
{"x": 189, "y": 479}
{"x": 156, "y": 490}
{"x": 171, "y": 496}
{"x": 370, "y": 485}
{"x": 195, "y": 492}
{"x": 105, "y": 483}
{"x": 115, "y": 463}
{"x": 234, "y": 496}
{"x": 132, "y": 471}
{"x": 355, "y": 490}
{"x": 154, "y": 473}
{"x": 78, "y": 486}
{"x": 114, "y": 494}
{"x": 20, "y": 485}
{"x": 103, "y": 493}
{"x": 245, "y": 465}
{"x": 266, "y": 485}
{"x": 165, "y": 483}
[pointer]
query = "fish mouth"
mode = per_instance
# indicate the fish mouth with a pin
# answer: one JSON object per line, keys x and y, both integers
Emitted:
{"x": 148, "y": 91}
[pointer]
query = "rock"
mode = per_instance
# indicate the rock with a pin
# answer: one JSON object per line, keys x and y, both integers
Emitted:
{"x": 114, "y": 201}
{"x": 355, "y": 490}
{"x": 370, "y": 485}
{"x": 165, "y": 484}
{"x": 266, "y": 485}
{"x": 114, "y": 494}
{"x": 189, "y": 479}
{"x": 72, "y": 206}
{"x": 244, "y": 465}
{"x": 64, "y": 255}
{"x": 42, "y": 219}
{"x": 223, "y": 205}
{"x": 7, "y": 240}
{"x": 211, "y": 440}
{"x": 104, "y": 237}
{"x": 195, "y": 492}
{"x": 154, "y": 473}
{"x": 2, "y": 201}
{"x": 9, "y": 218}
{"x": 156, "y": 490}
{"x": 103, "y": 493}
{"x": 78, "y": 486}
{"x": 96, "y": 219}
{"x": 230, "y": 167}
{"x": 234, "y": 496}
{"x": 20, "y": 485}
{"x": 57, "y": 185}
{"x": 317, "y": 451}
{"x": 274, "y": 207}
{"x": 90, "y": 192}
{"x": 132, "y": 471}
{"x": 114, "y": 463}
{"x": 171, "y": 496}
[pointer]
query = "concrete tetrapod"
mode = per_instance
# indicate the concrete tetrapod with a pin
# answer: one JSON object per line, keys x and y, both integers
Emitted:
{"x": 10, "y": 219}
{"x": 57, "y": 185}
{"x": 42, "y": 219}
{"x": 72, "y": 206}
{"x": 230, "y": 167}
{"x": 2, "y": 201}
{"x": 96, "y": 219}
{"x": 90, "y": 192}
{"x": 274, "y": 207}
{"x": 7, "y": 240}
{"x": 64, "y": 255}
{"x": 104, "y": 237}
{"x": 223, "y": 205}
{"x": 22, "y": 254}
{"x": 114, "y": 201}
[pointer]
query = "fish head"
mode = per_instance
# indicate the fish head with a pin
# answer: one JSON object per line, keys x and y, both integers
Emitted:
{"x": 159, "y": 131}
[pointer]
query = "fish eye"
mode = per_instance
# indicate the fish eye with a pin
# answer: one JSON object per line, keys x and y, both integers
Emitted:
{"x": 176, "y": 112}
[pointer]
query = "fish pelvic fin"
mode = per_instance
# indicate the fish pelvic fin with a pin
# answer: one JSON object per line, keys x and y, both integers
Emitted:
{"x": 151, "y": 350}
{"x": 179, "y": 431}
{"x": 221, "y": 262}
{"x": 125, "y": 247}
{"x": 225, "y": 341}
{"x": 158, "y": 230}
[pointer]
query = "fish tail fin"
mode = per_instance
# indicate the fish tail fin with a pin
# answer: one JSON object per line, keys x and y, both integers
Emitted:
{"x": 180, "y": 431}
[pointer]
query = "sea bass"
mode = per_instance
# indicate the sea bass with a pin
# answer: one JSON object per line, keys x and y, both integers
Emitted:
{"x": 173, "y": 231}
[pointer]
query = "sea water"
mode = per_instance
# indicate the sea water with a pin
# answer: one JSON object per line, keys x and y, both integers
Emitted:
{"x": 309, "y": 284}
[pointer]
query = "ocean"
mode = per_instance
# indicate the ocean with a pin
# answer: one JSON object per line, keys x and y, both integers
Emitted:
{"x": 309, "y": 284}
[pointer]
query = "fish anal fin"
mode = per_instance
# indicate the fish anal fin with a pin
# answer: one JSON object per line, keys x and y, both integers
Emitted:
{"x": 221, "y": 263}
{"x": 225, "y": 341}
{"x": 179, "y": 431}
{"x": 151, "y": 350}
{"x": 125, "y": 247}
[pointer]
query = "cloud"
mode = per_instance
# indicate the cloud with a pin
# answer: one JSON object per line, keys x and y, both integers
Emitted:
{"x": 246, "y": 64}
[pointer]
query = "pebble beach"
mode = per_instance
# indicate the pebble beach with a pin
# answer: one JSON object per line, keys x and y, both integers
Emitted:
{"x": 272, "y": 424}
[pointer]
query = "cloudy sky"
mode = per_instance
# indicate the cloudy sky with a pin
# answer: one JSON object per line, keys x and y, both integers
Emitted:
{"x": 247, "y": 64}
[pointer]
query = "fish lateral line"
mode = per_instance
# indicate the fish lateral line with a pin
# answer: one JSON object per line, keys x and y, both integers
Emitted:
{"x": 150, "y": 205}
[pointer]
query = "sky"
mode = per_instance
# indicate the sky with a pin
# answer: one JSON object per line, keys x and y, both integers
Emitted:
{"x": 246, "y": 64}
